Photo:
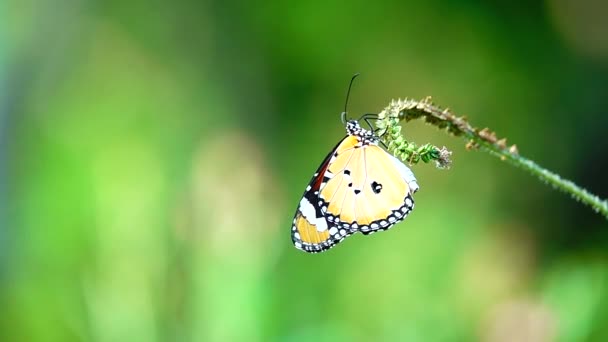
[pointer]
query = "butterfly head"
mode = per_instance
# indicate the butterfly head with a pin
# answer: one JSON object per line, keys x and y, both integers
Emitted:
{"x": 367, "y": 137}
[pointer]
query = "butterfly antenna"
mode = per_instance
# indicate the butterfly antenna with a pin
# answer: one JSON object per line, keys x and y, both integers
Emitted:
{"x": 347, "y": 96}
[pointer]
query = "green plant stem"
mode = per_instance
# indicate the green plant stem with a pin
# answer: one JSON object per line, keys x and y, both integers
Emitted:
{"x": 484, "y": 139}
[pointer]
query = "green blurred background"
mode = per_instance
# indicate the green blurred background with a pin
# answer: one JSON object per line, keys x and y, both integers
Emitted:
{"x": 152, "y": 155}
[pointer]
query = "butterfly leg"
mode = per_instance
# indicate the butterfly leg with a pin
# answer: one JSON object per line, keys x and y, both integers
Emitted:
{"x": 369, "y": 116}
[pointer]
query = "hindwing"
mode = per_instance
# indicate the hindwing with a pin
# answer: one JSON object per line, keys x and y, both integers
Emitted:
{"x": 367, "y": 189}
{"x": 310, "y": 231}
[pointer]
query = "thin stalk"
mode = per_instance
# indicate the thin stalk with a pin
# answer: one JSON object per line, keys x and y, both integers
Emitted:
{"x": 484, "y": 139}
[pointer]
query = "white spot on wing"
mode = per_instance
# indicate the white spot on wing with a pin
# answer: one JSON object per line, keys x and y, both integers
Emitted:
{"x": 321, "y": 224}
{"x": 408, "y": 202}
{"x": 310, "y": 214}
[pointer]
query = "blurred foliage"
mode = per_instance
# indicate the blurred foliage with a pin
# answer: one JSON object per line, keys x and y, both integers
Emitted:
{"x": 152, "y": 155}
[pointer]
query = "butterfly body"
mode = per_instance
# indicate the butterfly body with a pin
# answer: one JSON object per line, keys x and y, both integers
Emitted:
{"x": 359, "y": 187}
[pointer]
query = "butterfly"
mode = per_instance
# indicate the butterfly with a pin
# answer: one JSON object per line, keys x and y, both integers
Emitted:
{"x": 359, "y": 187}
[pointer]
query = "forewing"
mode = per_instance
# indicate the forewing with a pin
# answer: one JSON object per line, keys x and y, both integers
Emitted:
{"x": 310, "y": 230}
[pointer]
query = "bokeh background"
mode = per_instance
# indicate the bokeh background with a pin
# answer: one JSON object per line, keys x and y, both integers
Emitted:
{"x": 152, "y": 155}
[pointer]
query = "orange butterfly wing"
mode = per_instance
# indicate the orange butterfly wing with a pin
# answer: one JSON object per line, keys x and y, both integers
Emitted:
{"x": 310, "y": 230}
{"x": 367, "y": 190}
